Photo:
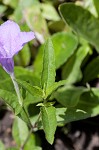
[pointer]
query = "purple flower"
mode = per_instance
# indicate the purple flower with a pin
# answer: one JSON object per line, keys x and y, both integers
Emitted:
{"x": 12, "y": 41}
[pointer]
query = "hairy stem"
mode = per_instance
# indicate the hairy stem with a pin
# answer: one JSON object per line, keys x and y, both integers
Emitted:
{"x": 16, "y": 88}
{"x": 20, "y": 99}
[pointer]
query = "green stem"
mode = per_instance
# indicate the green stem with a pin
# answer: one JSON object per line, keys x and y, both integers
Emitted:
{"x": 16, "y": 89}
{"x": 29, "y": 122}
{"x": 20, "y": 99}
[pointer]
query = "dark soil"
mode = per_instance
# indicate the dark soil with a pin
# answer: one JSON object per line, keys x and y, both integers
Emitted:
{"x": 6, "y": 120}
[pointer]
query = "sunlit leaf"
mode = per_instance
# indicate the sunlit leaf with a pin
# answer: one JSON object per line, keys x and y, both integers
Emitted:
{"x": 72, "y": 69}
{"x": 36, "y": 22}
{"x": 84, "y": 23}
{"x": 49, "y": 12}
{"x": 88, "y": 106}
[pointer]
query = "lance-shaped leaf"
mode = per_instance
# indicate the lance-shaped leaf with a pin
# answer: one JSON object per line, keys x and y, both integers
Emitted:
{"x": 67, "y": 44}
{"x": 10, "y": 99}
{"x": 49, "y": 122}
{"x": 48, "y": 72}
{"x": 54, "y": 87}
{"x": 84, "y": 23}
{"x": 34, "y": 90}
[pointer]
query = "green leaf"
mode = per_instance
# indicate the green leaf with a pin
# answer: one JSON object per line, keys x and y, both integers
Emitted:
{"x": 34, "y": 90}
{"x": 3, "y": 74}
{"x": 49, "y": 122}
{"x": 2, "y": 9}
{"x": 56, "y": 26}
{"x": 92, "y": 70}
{"x": 22, "y": 5}
{"x": 49, "y": 12}
{"x": 27, "y": 75}
{"x": 11, "y": 3}
{"x": 23, "y": 58}
{"x": 36, "y": 22}
{"x": 84, "y": 23}
{"x": 54, "y": 87}
{"x": 10, "y": 99}
{"x": 64, "y": 46}
{"x": 96, "y": 4}
{"x": 88, "y": 106}
{"x": 71, "y": 71}
{"x": 31, "y": 99}
{"x": 48, "y": 72}
{"x": 2, "y": 146}
{"x": 12, "y": 148}
{"x": 20, "y": 73}
{"x": 20, "y": 133}
{"x": 69, "y": 96}
{"x": 23, "y": 115}
{"x": 34, "y": 113}
{"x": 89, "y": 5}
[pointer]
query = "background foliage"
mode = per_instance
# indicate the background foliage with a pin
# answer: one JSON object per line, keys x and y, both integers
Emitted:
{"x": 57, "y": 71}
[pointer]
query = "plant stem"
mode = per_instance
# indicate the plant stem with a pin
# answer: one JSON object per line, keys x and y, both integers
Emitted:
{"x": 29, "y": 122}
{"x": 22, "y": 147}
{"x": 31, "y": 130}
{"x": 16, "y": 89}
{"x": 20, "y": 99}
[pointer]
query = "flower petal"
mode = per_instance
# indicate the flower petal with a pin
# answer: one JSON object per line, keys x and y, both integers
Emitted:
{"x": 2, "y": 51}
{"x": 7, "y": 64}
{"x": 26, "y": 37}
{"x": 8, "y": 33}
{"x": 22, "y": 39}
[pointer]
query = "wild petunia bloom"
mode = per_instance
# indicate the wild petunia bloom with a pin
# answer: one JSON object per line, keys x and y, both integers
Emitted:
{"x": 12, "y": 41}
